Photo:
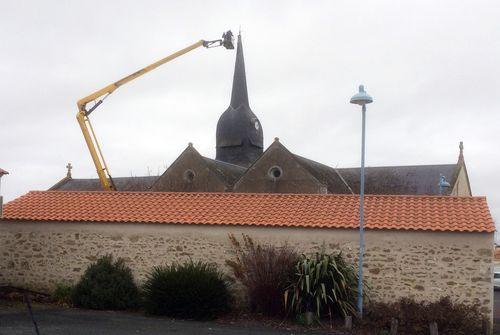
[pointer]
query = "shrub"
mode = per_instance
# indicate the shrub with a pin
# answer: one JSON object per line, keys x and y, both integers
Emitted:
{"x": 265, "y": 272}
{"x": 324, "y": 284}
{"x": 378, "y": 315}
{"x": 106, "y": 284}
{"x": 190, "y": 290}
{"x": 62, "y": 294}
{"x": 415, "y": 317}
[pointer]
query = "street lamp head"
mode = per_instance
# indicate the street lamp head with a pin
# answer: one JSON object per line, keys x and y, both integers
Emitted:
{"x": 361, "y": 98}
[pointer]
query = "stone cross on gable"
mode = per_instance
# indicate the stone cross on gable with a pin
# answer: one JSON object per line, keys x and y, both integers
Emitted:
{"x": 69, "y": 167}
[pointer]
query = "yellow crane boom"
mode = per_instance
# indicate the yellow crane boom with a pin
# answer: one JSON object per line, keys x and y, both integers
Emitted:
{"x": 83, "y": 113}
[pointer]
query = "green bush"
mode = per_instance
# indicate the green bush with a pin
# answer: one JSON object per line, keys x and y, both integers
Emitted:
{"x": 265, "y": 272}
{"x": 106, "y": 284}
{"x": 415, "y": 317}
{"x": 190, "y": 290}
{"x": 62, "y": 294}
{"x": 324, "y": 284}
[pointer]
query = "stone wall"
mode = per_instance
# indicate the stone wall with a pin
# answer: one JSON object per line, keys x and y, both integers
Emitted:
{"x": 422, "y": 265}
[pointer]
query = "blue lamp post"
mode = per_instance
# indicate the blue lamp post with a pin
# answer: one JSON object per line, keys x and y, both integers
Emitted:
{"x": 361, "y": 98}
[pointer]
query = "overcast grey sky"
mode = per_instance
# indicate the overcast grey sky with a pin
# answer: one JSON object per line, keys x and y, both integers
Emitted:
{"x": 431, "y": 66}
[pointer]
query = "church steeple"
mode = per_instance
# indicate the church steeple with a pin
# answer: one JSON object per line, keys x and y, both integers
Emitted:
{"x": 239, "y": 136}
{"x": 239, "y": 94}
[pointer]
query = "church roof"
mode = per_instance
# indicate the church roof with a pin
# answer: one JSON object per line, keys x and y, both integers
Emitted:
{"x": 230, "y": 173}
{"x": 421, "y": 213}
{"x": 227, "y": 172}
{"x": 413, "y": 179}
{"x": 334, "y": 181}
{"x": 416, "y": 179}
{"x": 142, "y": 183}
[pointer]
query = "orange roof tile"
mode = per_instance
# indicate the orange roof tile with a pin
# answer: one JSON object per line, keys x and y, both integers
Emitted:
{"x": 436, "y": 213}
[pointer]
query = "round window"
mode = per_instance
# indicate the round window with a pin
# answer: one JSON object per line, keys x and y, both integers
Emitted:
{"x": 189, "y": 175}
{"x": 275, "y": 172}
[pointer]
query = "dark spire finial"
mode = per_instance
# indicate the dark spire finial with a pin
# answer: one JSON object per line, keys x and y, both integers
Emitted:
{"x": 461, "y": 147}
{"x": 239, "y": 94}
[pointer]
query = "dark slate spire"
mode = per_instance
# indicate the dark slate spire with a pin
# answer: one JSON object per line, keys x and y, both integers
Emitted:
{"x": 239, "y": 94}
{"x": 239, "y": 133}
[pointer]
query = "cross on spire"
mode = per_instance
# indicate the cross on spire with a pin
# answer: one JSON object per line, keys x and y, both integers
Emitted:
{"x": 69, "y": 167}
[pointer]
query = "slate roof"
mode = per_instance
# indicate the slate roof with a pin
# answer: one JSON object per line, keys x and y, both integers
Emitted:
{"x": 334, "y": 181}
{"x": 416, "y": 179}
{"x": 228, "y": 172}
{"x": 122, "y": 184}
{"x": 425, "y": 213}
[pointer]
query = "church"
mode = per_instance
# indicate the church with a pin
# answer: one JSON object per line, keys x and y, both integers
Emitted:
{"x": 242, "y": 165}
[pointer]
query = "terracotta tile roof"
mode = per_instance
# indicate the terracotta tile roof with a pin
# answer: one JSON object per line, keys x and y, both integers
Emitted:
{"x": 436, "y": 213}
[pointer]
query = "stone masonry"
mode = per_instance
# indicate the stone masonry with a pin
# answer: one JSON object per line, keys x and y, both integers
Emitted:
{"x": 422, "y": 265}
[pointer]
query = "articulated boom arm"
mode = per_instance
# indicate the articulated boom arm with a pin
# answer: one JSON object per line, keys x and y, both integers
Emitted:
{"x": 83, "y": 113}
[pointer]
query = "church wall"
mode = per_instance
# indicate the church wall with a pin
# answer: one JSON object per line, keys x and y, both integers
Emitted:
{"x": 294, "y": 178}
{"x": 422, "y": 265}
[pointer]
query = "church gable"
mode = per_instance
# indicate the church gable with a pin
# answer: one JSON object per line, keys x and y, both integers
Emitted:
{"x": 460, "y": 184}
{"x": 461, "y": 187}
{"x": 189, "y": 173}
{"x": 277, "y": 171}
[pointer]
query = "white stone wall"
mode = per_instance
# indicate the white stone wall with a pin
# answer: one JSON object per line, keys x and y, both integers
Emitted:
{"x": 422, "y": 265}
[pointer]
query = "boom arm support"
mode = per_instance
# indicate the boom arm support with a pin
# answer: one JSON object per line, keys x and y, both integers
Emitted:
{"x": 83, "y": 113}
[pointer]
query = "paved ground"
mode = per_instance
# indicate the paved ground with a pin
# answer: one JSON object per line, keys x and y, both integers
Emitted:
{"x": 58, "y": 321}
